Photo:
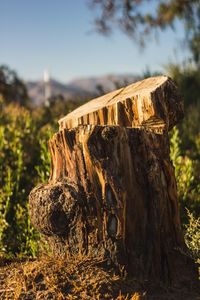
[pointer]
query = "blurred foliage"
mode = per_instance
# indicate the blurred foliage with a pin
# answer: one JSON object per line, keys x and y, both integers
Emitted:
{"x": 187, "y": 172}
{"x": 12, "y": 87}
{"x": 24, "y": 162}
{"x": 138, "y": 19}
{"x": 185, "y": 139}
{"x": 185, "y": 153}
{"x": 187, "y": 78}
{"x": 18, "y": 151}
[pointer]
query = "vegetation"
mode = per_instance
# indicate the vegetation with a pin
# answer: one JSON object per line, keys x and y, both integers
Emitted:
{"x": 138, "y": 20}
{"x": 24, "y": 162}
{"x": 12, "y": 87}
{"x": 81, "y": 278}
{"x": 192, "y": 236}
{"x": 187, "y": 172}
{"x": 20, "y": 163}
{"x": 185, "y": 154}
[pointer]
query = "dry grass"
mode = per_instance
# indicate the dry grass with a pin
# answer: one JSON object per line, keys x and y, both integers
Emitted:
{"x": 79, "y": 278}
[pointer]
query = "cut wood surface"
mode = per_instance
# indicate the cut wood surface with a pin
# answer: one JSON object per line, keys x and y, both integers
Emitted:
{"x": 153, "y": 103}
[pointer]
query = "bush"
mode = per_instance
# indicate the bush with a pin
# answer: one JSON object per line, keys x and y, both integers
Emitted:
{"x": 187, "y": 175}
{"x": 192, "y": 235}
{"x": 24, "y": 161}
{"x": 187, "y": 78}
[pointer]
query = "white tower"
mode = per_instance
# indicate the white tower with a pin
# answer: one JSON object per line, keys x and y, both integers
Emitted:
{"x": 47, "y": 87}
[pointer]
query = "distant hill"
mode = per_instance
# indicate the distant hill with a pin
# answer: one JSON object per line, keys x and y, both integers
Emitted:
{"x": 83, "y": 88}
{"x": 68, "y": 91}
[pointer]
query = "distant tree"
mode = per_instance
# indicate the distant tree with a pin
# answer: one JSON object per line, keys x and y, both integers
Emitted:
{"x": 12, "y": 88}
{"x": 188, "y": 81}
{"x": 138, "y": 18}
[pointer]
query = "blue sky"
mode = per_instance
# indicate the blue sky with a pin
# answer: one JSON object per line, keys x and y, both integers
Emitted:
{"x": 57, "y": 35}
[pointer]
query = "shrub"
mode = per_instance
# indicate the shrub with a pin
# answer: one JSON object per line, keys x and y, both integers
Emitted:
{"x": 24, "y": 160}
{"x": 187, "y": 175}
{"x": 192, "y": 237}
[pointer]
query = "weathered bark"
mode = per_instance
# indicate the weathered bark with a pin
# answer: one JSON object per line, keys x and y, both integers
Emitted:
{"x": 112, "y": 191}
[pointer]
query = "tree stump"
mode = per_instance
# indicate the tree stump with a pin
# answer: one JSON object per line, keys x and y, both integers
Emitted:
{"x": 112, "y": 190}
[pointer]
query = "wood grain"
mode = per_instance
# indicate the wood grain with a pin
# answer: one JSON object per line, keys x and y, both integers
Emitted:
{"x": 153, "y": 103}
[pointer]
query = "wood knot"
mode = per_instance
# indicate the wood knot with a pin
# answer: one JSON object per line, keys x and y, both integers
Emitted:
{"x": 52, "y": 207}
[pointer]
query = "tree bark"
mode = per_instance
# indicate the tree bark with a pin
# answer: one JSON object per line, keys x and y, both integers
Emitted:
{"x": 112, "y": 193}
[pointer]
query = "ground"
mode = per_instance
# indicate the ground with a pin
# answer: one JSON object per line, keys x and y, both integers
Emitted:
{"x": 49, "y": 278}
